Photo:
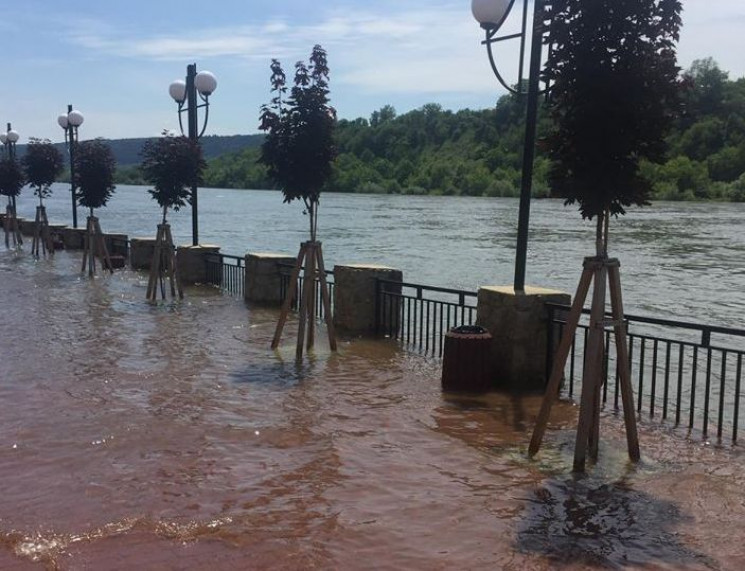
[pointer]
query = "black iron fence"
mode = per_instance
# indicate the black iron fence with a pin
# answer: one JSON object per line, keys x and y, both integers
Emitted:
{"x": 419, "y": 315}
{"x": 226, "y": 272}
{"x": 685, "y": 373}
{"x": 284, "y": 287}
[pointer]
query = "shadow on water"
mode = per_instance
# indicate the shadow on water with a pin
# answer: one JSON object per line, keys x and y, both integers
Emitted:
{"x": 606, "y": 525}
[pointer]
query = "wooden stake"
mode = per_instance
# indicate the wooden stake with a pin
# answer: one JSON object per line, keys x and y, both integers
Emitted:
{"x": 311, "y": 255}
{"x": 602, "y": 271}
{"x": 622, "y": 358}
{"x": 326, "y": 300}
{"x": 591, "y": 374}
{"x": 289, "y": 296}
{"x": 163, "y": 265}
{"x": 560, "y": 359}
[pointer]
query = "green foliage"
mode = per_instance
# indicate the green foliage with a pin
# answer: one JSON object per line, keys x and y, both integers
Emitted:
{"x": 614, "y": 92}
{"x": 299, "y": 147}
{"x": 94, "y": 173}
{"x": 431, "y": 150}
{"x": 172, "y": 165}
{"x": 11, "y": 177}
{"x": 42, "y": 164}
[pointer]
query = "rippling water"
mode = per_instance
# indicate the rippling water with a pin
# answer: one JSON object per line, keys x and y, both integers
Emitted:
{"x": 678, "y": 260}
{"x": 170, "y": 436}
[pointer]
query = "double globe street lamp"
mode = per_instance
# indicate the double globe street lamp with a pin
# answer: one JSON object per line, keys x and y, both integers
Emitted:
{"x": 70, "y": 122}
{"x": 185, "y": 92}
{"x": 492, "y": 14}
{"x": 9, "y": 140}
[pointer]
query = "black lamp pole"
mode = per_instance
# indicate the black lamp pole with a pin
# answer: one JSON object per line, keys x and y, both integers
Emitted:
{"x": 12, "y": 156}
{"x": 196, "y": 85}
{"x": 70, "y": 123}
{"x": 531, "y": 117}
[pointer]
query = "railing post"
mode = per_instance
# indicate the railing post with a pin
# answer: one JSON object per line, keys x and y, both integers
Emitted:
{"x": 378, "y": 305}
{"x": 550, "y": 340}
{"x": 705, "y": 337}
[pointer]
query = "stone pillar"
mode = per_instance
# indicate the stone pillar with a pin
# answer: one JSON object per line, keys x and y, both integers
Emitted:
{"x": 26, "y": 226}
{"x": 263, "y": 276}
{"x": 117, "y": 244}
{"x": 519, "y": 326}
{"x": 355, "y": 300}
{"x": 141, "y": 253}
{"x": 55, "y": 233}
{"x": 192, "y": 262}
{"x": 73, "y": 238}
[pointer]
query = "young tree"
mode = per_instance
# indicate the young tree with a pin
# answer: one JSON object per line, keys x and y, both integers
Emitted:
{"x": 42, "y": 164}
{"x": 299, "y": 148}
{"x": 11, "y": 182}
{"x": 172, "y": 164}
{"x": 299, "y": 151}
{"x": 11, "y": 178}
{"x": 95, "y": 167}
{"x": 614, "y": 95}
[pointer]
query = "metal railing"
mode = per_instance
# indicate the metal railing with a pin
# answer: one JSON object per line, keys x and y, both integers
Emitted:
{"x": 284, "y": 286}
{"x": 226, "y": 272}
{"x": 419, "y": 315}
{"x": 678, "y": 372}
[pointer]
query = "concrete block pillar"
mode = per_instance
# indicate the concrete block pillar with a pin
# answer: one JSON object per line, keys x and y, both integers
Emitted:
{"x": 141, "y": 253}
{"x": 117, "y": 244}
{"x": 355, "y": 295}
{"x": 519, "y": 326}
{"x": 192, "y": 262}
{"x": 263, "y": 276}
{"x": 73, "y": 238}
{"x": 55, "y": 233}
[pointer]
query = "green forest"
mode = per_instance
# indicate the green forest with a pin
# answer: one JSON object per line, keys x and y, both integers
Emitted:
{"x": 478, "y": 152}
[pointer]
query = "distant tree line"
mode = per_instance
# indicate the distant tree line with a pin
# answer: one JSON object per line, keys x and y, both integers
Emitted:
{"x": 477, "y": 152}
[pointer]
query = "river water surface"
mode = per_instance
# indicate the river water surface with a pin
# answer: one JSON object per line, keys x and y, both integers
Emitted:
{"x": 169, "y": 436}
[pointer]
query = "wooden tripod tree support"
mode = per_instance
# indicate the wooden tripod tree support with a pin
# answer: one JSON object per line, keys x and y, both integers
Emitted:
{"x": 598, "y": 269}
{"x": 95, "y": 245}
{"x": 312, "y": 254}
{"x": 42, "y": 240}
{"x": 10, "y": 225}
{"x": 163, "y": 266}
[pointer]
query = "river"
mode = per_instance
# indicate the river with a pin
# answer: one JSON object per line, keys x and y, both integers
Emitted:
{"x": 682, "y": 261}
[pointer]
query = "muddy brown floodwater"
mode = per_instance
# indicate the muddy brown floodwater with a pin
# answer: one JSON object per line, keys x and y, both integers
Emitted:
{"x": 170, "y": 436}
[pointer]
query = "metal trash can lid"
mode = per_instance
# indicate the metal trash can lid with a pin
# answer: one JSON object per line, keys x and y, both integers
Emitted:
{"x": 469, "y": 330}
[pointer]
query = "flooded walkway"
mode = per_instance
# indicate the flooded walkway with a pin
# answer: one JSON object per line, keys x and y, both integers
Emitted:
{"x": 170, "y": 436}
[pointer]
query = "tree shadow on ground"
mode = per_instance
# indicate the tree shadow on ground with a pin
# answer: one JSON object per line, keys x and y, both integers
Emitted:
{"x": 606, "y": 525}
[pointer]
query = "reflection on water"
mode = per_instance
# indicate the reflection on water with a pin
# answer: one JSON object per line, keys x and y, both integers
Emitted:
{"x": 158, "y": 436}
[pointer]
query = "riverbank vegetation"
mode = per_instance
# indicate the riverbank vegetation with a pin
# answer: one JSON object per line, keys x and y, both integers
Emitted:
{"x": 432, "y": 150}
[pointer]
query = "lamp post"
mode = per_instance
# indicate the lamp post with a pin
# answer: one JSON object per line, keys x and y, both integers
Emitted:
{"x": 491, "y": 14}
{"x": 70, "y": 123}
{"x": 9, "y": 140}
{"x": 185, "y": 93}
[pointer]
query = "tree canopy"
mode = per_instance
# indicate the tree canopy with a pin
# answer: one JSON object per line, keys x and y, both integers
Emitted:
{"x": 94, "y": 173}
{"x": 11, "y": 177}
{"x": 299, "y": 148}
{"x": 614, "y": 96}
{"x": 42, "y": 164}
{"x": 172, "y": 164}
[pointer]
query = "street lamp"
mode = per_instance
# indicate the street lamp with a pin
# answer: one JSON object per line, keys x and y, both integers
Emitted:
{"x": 491, "y": 14}
{"x": 70, "y": 123}
{"x": 9, "y": 140}
{"x": 185, "y": 93}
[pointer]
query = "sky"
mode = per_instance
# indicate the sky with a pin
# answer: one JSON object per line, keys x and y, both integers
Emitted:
{"x": 114, "y": 59}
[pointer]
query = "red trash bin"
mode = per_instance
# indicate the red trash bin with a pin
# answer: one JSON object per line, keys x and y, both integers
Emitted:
{"x": 465, "y": 360}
